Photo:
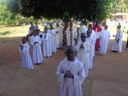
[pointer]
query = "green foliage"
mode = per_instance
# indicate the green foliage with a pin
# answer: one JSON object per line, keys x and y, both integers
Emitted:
{"x": 78, "y": 9}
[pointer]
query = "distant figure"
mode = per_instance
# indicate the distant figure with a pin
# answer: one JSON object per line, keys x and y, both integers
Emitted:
{"x": 83, "y": 29}
{"x": 46, "y": 43}
{"x": 53, "y": 38}
{"x": 91, "y": 42}
{"x": 71, "y": 34}
{"x": 97, "y": 29}
{"x": 70, "y": 73}
{"x": 37, "y": 51}
{"x": 117, "y": 45}
{"x": 26, "y": 59}
{"x": 36, "y": 26}
{"x": 104, "y": 40}
{"x": 59, "y": 35}
{"x": 31, "y": 26}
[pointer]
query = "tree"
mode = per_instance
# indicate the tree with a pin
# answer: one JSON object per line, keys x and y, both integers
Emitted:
{"x": 65, "y": 9}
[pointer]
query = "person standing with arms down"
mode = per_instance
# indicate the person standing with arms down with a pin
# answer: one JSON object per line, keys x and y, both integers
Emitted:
{"x": 117, "y": 45}
{"x": 104, "y": 40}
{"x": 71, "y": 74}
{"x": 97, "y": 29}
{"x": 37, "y": 52}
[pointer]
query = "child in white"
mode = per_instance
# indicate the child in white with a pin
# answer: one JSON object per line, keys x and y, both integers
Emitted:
{"x": 83, "y": 50}
{"x": 26, "y": 59}
{"x": 37, "y": 52}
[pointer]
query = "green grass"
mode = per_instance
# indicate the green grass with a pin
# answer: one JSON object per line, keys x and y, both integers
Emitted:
{"x": 13, "y": 31}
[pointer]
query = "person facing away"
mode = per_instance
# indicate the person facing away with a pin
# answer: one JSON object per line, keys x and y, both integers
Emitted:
{"x": 26, "y": 59}
{"x": 83, "y": 50}
{"x": 71, "y": 74}
{"x": 117, "y": 45}
{"x": 37, "y": 51}
{"x": 104, "y": 40}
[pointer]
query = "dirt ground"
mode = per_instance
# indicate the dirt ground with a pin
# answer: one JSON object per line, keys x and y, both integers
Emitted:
{"x": 108, "y": 77}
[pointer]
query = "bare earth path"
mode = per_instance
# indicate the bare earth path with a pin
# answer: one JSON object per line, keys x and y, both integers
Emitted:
{"x": 109, "y": 77}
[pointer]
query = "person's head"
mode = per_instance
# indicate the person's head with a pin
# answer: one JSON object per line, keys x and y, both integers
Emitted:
{"x": 83, "y": 37}
{"x": 104, "y": 23}
{"x": 24, "y": 40}
{"x": 97, "y": 23}
{"x": 35, "y": 32}
{"x": 70, "y": 52}
{"x": 31, "y": 23}
{"x": 45, "y": 29}
{"x": 82, "y": 23}
{"x": 89, "y": 33}
{"x": 90, "y": 26}
{"x": 51, "y": 26}
{"x": 119, "y": 26}
{"x": 57, "y": 24}
{"x": 106, "y": 27}
{"x": 30, "y": 28}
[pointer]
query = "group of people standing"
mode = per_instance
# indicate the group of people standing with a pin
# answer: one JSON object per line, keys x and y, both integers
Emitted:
{"x": 80, "y": 51}
{"x": 74, "y": 69}
{"x": 44, "y": 44}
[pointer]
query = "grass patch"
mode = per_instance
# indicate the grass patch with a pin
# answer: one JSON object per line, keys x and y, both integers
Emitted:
{"x": 5, "y": 33}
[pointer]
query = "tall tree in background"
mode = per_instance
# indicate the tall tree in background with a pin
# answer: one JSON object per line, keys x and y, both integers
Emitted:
{"x": 78, "y": 9}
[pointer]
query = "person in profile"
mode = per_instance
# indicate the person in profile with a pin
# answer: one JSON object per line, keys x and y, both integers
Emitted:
{"x": 117, "y": 45}
{"x": 71, "y": 74}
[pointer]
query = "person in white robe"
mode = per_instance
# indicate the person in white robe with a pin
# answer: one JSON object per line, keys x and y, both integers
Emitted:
{"x": 26, "y": 59}
{"x": 46, "y": 43}
{"x": 83, "y": 29}
{"x": 32, "y": 26}
{"x": 71, "y": 74}
{"x": 104, "y": 40}
{"x": 71, "y": 34}
{"x": 91, "y": 42}
{"x": 117, "y": 45}
{"x": 36, "y": 26}
{"x": 53, "y": 39}
{"x": 37, "y": 52}
{"x": 59, "y": 36}
{"x": 83, "y": 50}
{"x": 93, "y": 35}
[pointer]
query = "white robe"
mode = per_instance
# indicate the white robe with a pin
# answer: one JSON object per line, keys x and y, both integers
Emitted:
{"x": 82, "y": 29}
{"x": 46, "y": 45}
{"x": 104, "y": 40}
{"x": 74, "y": 36}
{"x": 83, "y": 55}
{"x": 118, "y": 46}
{"x": 91, "y": 42}
{"x": 26, "y": 59}
{"x": 69, "y": 86}
{"x": 53, "y": 40}
{"x": 59, "y": 37}
{"x": 93, "y": 35}
{"x": 37, "y": 52}
{"x": 50, "y": 42}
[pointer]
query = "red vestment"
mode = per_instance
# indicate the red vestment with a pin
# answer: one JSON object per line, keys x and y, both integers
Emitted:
{"x": 97, "y": 29}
